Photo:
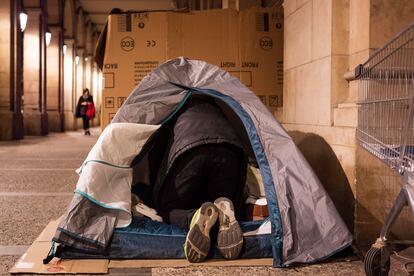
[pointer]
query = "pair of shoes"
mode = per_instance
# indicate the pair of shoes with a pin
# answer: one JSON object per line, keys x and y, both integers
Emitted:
{"x": 87, "y": 132}
{"x": 229, "y": 238}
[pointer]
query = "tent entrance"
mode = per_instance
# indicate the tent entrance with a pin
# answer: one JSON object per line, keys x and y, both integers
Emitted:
{"x": 252, "y": 145}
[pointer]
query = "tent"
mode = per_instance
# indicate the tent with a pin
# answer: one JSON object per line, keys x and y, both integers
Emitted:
{"x": 305, "y": 226}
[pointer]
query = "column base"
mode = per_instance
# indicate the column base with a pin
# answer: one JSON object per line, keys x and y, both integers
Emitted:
{"x": 78, "y": 123}
{"x": 11, "y": 127}
{"x": 6, "y": 126}
{"x": 55, "y": 120}
{"x": 69, "y": 121}
{"x": 36, "y": 123}
{"x": 96, "y": 121}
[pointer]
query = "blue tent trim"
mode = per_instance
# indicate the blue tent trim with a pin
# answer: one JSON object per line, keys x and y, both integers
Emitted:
{"x": 271, "y": 195}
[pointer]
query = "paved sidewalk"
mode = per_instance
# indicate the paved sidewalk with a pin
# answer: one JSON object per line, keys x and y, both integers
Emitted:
{"x": 36, "y": 182}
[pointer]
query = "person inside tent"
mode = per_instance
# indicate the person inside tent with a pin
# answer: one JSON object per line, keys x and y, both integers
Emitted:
{"x": 201, "y": 180}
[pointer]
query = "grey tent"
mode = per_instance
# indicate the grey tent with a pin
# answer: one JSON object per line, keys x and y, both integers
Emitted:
{"x": 305, "y": 226}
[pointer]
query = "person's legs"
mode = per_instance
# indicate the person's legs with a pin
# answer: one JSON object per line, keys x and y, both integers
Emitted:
{"x": 205, "y": 173}
{"x": 85, "y": 121}
{"x": 227, "y": 168}
{"x": 225, "y": 187}
{"x": 181, "y": 192}
{"x": 181, "y": 201}
{"x": 202, "y": 174}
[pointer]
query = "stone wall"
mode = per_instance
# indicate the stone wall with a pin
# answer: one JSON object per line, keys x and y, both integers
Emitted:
{"x": 323, "y": 40}
{"x": 316, "y": 57}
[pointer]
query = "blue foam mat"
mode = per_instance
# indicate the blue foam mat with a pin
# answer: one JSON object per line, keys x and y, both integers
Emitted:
{"x": 148, "y": 239}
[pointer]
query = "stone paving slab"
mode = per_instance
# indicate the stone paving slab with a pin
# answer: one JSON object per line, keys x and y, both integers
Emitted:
{"x": 24, "y": 217}
{"x": 38, "y": 180}
{"x": 6, "y": 263}
{"x": 40, "y": 143}
{"x": 13, "y": 250}
{"x": 32, "y": 163}
{"x": 61, "y": 154}
{"x": 54, "y": 146}
{"x": 331, "y": 269}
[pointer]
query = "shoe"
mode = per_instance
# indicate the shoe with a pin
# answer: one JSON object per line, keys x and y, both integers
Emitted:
{"x": 85, "y": 133}
{"x": 88, "y": 132}
{"x": 198, "y": 242}
{"x": 229, "y": 237}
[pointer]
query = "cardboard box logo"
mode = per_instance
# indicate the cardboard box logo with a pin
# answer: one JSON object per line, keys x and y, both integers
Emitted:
{"x": 109, "y": 102}
{"x": 121, "y": 101}
{"x": 266, "y": 43}
{"x": 127, "y": 44}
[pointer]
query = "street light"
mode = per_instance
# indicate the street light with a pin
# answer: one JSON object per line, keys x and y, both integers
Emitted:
{"x": 23, "y": 20}
{"x": 48, "y": 37}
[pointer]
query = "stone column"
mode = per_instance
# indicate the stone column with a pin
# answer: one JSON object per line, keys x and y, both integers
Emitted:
{"x": 35, "y": 114}
{"x": 96, "y": 94}
{"x": 89, "y": 78}
{"x": 88, "y": 72}
{"x": 6, "y": 115}
{"x": 80, "y": 79}
{"x": 11, "y": 126}
{"x": 53, "y": 81}
{"x": 69, "y": 84}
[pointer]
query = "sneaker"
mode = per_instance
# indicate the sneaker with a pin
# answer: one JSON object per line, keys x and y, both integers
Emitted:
{"x": 230, "y": 237}
{"x": 197, "y": 243}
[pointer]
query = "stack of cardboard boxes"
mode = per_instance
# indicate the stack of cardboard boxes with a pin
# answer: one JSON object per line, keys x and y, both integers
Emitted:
{"x": 248, "y": 44}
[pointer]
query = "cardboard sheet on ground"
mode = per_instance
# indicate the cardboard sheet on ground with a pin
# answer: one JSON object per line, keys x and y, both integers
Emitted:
{"x": 32, "y": 260}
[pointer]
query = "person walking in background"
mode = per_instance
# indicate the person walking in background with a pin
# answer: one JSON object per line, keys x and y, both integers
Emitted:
{"x": 85, "y": 109}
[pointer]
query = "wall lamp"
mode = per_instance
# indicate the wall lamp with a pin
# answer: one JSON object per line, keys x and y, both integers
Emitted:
{"x": 64, "y": 48}
{"x": 76, "y": 60}
{"x": 23, "y": 20}
{"x": 48, "y": 37}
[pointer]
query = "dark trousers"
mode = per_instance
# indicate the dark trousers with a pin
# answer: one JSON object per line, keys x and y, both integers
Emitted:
{"x": 201, "y": 174}
{"x": 85, "y": 121}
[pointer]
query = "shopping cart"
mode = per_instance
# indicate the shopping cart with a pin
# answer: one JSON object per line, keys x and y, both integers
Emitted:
{"x": 385, "y": 129}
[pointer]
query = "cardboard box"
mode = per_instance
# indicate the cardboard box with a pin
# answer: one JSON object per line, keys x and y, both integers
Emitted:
{"x": 248, "y": 44}
{"x": 240, "y": 4}
{"x": 32, "y": 260}
{"x": 218, "y": 4}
